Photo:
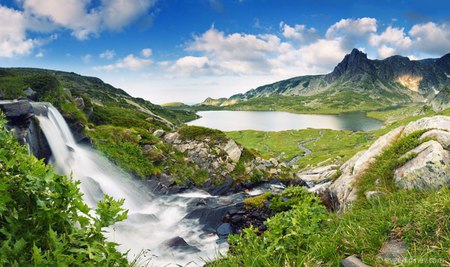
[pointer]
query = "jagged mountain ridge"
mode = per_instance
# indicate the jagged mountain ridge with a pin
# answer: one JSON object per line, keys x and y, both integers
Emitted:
{"x": 397, "y": 77}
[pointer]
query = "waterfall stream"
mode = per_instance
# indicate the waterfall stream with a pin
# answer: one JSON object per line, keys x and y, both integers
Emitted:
{"x": 152, "y": 219}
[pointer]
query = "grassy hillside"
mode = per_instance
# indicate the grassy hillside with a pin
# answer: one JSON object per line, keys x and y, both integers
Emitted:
{"x": 60, "y": 88}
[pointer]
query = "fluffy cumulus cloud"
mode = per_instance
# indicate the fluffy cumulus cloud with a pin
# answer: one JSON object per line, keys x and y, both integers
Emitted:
{"x": 13, "y": 40}
{"x": 431, "y": 38}
{"x": 352, "y": 27}
{"x": 81, "y": 18}
{"x": 390, "y": 42}
{"x": 130, "y": 62}
{"x": 298, "y": 32}
{"x": 84, "y": 18}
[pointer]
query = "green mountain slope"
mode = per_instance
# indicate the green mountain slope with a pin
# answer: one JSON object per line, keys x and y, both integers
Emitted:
{"x": 356, "y": 83}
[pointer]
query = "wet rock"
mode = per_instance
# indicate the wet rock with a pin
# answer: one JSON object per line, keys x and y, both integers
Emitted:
{"x": 159, "y": 133}
{"x": 224, "y": 230}
{"x": 353, "y": 261}
{"x": 436, "y": 122}
{"x": 393, "y": 251}
{"x": 429, "y": 169}
{"x": 211, "y": 217}
{"x": 179, "y": 243}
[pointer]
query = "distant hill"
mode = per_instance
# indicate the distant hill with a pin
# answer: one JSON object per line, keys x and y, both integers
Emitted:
{"x": 100, "y": 102}
{"x": 355, "y": 83}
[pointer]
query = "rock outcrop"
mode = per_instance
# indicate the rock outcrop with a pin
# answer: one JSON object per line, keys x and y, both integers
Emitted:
{"x": 426, "y": 166}
{"x": 344, "y": 186}
{"x": 20, "y": 116}
{"x": 223, "y": 159}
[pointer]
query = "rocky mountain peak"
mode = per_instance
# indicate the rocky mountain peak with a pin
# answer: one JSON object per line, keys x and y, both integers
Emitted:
{"x": 444, "y": 63}
{"x": 353, "y": 64}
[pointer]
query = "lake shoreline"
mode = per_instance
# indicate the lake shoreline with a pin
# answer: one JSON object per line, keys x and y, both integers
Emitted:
{"x": 228, "y": 120}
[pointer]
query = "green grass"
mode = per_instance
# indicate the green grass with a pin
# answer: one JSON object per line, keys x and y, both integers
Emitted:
{"x": 332, "y": 146}
{"x": 306, "y": 235}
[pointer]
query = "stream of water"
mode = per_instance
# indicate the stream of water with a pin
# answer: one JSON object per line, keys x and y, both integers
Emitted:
{"x": 152, "y": 219}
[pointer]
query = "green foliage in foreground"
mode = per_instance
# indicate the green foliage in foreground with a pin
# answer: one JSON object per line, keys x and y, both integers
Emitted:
{"x": 306, "y": 235}
{"x": 43, "y": 220}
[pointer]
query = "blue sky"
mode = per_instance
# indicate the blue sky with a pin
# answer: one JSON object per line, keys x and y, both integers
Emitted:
{"x": 180, "y": 50}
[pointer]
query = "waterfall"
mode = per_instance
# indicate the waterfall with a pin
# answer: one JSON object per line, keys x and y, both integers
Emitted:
{"x": 152, "y": 219}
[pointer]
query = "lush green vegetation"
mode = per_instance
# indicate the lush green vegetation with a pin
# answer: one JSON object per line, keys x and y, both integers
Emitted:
{"x": 200, "y": 133}
{"x": 43, "y": 220}
{"x": 126, "y": 148}
{"x": 307, "y": 235}
{"x": 327, "y": 146}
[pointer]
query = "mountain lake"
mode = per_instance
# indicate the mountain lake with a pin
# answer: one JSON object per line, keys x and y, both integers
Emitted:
{"x": 225, "y": 120}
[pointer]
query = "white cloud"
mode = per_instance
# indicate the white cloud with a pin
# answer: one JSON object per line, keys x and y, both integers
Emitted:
{"x": 431, "y": 38}
{"x": 129, "y": 62}
{"x": 82, "y": 20}
{"x": 13, "y": 40}
{"x": 191, "y": 66}
{"x": 146, "y": 52}
{"x": 390, "y": 42}
{"x": 352, "y": 27}
{"x": 107, "y": 54}
{"x": 298, "y": 32}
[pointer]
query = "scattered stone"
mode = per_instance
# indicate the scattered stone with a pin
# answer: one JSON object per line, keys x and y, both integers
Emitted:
{"x": 180, "y": 244}
{"x": 319, "y": 175}
{"x": 159, "y": 133}
{"x": 233, "y": 150}
{"x": 147, "y": 148}
{"x": 353, "y": 261}
{"x": 374, "y": 194}
{"x": 393, "y": 251}
{"x": 79, "y": 102}
{"x": 429, "y": 169}
{"x": 30, "y": 93}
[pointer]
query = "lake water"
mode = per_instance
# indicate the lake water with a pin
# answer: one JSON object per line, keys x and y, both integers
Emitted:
{"x": 281, "y": 121}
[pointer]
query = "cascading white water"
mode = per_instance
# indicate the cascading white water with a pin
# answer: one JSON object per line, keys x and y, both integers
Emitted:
{"x": 151, "y": 219}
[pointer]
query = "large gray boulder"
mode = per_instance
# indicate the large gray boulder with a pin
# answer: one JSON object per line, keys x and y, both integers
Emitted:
{"x": 344, "y": 186}
{"x": 429, "y": 169}
{"x": 443, "y": 137}
{"x": 436, "y": 122}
